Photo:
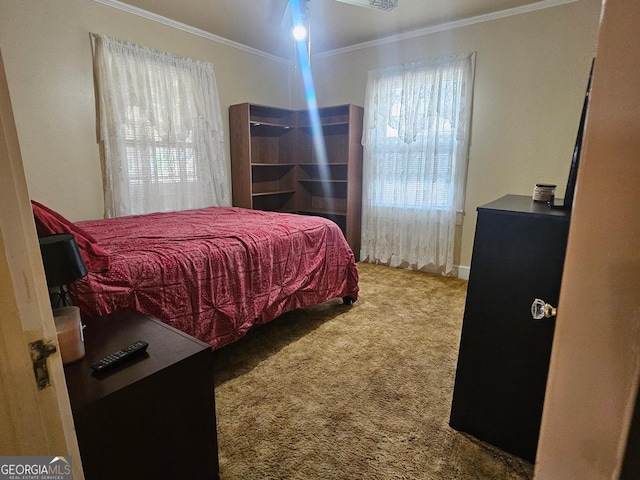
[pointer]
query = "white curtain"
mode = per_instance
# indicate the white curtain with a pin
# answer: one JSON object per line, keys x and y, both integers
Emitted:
{"x": 161, "y": 130}
{"x": 416, "y": 145}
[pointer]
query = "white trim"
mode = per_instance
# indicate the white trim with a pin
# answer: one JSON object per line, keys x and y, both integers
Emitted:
{"x": 380, "y": 41}
{"x": 463, "y": 272}
{"x": 448, "y": 26}
{"x": 186, "y": 28}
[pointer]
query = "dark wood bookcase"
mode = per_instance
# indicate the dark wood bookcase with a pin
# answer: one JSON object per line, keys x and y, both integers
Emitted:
{"x": 277, "y": 165}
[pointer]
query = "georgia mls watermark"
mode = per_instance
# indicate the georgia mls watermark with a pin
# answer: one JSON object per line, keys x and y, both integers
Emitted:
{"x": 35, "y": 468}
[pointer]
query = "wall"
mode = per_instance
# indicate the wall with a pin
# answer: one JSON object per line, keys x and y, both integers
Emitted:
{"x": 531, "y": 74}
{"x": 595, "y": 363}
{"x": 47, "y": 53}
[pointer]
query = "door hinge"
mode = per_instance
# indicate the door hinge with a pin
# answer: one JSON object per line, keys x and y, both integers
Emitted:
{"x": 40, "y": 351}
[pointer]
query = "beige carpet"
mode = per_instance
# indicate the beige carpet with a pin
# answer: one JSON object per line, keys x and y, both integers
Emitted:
{"x": 354, "y": 392}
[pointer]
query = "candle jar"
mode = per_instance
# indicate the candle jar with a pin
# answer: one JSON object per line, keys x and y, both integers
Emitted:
{"x": 69, "y": 330}
{"x": 544, "y": 192}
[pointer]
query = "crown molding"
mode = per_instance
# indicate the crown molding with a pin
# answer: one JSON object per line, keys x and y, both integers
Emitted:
{"x": 374, "y": 43}
{"x": 188, "y": 29}
{"x": 448, "y": 26}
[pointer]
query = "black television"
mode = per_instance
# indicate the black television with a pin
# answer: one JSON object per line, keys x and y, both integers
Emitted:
{"x": 575, "y": 161}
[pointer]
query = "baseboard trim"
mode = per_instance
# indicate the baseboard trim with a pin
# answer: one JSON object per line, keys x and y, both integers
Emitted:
{"x": 463, "y": 272}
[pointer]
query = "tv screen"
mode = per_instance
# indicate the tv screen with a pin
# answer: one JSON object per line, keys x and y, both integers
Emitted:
{"x": 575, "y": 161}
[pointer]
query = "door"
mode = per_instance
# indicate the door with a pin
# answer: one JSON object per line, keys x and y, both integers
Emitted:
{"x": 34, "y": 421}
{"x": 595, "y": 363}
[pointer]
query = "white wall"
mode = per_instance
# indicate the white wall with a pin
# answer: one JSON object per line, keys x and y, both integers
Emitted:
{"x": 531, "y": 75}
{"x": 47, "y": 54}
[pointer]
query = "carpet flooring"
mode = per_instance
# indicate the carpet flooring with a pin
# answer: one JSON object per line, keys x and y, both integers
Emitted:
{"x": 354, "y": 392}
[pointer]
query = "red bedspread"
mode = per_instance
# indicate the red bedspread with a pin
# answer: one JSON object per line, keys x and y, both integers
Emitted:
{"x": 215, "y": 272}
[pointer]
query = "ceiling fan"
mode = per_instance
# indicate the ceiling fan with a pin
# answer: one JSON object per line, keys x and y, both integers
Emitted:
{"x": 296, "y": 12}
{"x": 379, "y": 4}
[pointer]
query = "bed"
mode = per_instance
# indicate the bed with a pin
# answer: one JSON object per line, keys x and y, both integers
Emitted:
{"x": 213, "y": 272}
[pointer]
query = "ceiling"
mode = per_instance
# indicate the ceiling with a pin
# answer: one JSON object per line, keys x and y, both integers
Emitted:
{"x": 334, "y": 25}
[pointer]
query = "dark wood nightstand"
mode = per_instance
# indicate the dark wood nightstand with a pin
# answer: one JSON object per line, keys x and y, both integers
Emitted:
{"x": 153, "y": 417}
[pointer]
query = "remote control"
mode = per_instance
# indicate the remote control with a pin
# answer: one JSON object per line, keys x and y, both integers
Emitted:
{"x": 120, "y": 356}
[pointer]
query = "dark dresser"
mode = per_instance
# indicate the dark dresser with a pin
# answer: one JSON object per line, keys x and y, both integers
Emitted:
{"x": 503, "y": 361}
{"x": 153, "y": 417}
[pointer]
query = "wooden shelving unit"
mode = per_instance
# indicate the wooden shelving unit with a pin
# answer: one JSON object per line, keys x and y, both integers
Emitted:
{"x": 277, "y": 165}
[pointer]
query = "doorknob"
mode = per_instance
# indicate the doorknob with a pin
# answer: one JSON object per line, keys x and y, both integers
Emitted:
{"x": 541, "y": 309}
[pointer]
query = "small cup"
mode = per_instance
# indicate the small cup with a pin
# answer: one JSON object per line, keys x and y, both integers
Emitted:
{"x": 544, "y": 192}
{"x": 70, "y": 337}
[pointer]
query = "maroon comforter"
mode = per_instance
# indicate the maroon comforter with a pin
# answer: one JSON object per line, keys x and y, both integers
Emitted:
{"x": 215, "y": 272}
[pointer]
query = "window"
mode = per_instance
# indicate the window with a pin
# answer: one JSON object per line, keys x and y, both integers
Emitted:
{"x": 417, "y": 171}
{"x": 416, "y": 143}
{"x": 405, "y": 184}
{"x": 149, "y": 157}
{"x": 161, "y": 129}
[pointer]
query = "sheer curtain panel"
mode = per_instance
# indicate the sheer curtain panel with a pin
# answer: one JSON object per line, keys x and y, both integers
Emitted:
{"x": 161, "y": 130}
{"x": 416, "y": 145}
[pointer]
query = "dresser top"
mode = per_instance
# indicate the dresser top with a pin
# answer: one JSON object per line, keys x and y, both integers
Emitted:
{"x": 523, "y": 204}
{"x": 110, "y": 333}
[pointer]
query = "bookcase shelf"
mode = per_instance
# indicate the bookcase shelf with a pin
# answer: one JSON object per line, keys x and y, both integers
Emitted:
{"x": 275, "y": 192}
{"x": 275, "y": 164}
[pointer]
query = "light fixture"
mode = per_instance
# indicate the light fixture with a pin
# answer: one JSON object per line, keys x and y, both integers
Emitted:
{"x": 298, "y": 12}
{"x": 299, "y": 31}
{"x": 299, "y": 19}
{"x": 63, "y": 265}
